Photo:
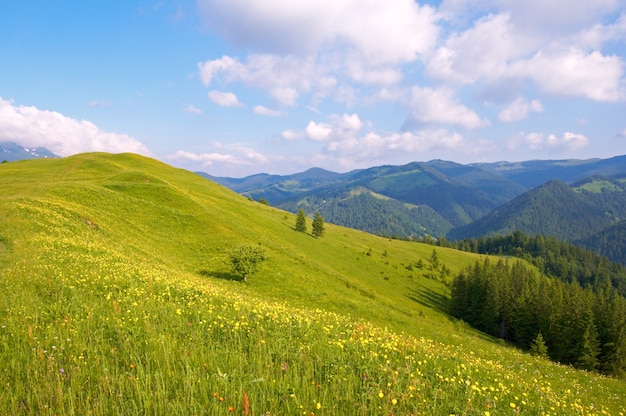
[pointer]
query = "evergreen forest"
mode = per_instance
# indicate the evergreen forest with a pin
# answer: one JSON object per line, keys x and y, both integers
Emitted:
{"x": 582, "y": 327}
{"x": 553, "y": 258}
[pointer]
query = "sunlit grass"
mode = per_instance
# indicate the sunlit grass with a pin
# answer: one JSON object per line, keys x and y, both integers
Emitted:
{"x": 115, "y": 302}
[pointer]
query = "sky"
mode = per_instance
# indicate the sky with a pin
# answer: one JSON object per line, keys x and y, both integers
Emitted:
{"x": 239, "y": 87}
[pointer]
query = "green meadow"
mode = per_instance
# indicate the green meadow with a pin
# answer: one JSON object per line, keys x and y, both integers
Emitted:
{"x": 118, "y": 298}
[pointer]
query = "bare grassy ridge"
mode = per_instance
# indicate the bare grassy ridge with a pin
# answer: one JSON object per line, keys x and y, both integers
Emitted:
{"x": 118, "y": 300}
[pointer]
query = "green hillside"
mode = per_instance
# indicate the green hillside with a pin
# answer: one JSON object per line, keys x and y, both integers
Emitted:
{"x": 118, "y": 299}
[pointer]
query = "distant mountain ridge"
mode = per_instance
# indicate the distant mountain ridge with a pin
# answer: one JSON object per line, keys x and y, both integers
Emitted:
{"x": 552, "y": 209}
{"x": 536, "y": 172}
{"x": 10, "y": 152}
{"x": 573, "y": 200}
{"x": 438, "y": 195}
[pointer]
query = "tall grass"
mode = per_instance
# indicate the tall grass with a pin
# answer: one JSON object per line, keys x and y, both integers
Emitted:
{"x": 109, "y": 307}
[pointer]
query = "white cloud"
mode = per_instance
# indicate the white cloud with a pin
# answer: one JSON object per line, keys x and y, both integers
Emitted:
{"x": 338, "y": 126}
{"x": 231, "y": 155}
{"x": 595, "y": 36}
{"x": 372, "y": 147}
{"x": 30, "y": 126}
{"x": 482, "y": 51}
{"x": 206, "y": 159}
{"x": 573, "y": 72}
{"x": 190, "y": 108}
{"x": 224, "y": 98}
{"x": 520, "y": 109}
{"x": 318, "y": 131}
{"x": 264, "y": 111}
{"x": 347, "y": 122}
{"x": 362, "y": 73}
{"x": 285, "y": 78}
{"x": 290, "y": 135}
{"x": 549, "y": 142}
{"x": 439, "y": 106}
{"x": 317, "y": 48}
{"x": 388, "y": 32}
{"x": 285, "y": 96}
{"x": 557, "y": 17}
{"x": 346, "y": 143}
{"x": 209, "y": 69}
{"x": 562, "y": 57}
{"x": 379, "y": 31}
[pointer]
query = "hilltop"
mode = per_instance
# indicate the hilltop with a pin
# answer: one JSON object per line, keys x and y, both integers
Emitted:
{"x": 118, "y": 299}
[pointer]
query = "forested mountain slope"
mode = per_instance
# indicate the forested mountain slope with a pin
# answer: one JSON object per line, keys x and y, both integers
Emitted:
{"x": 553, "y": 209}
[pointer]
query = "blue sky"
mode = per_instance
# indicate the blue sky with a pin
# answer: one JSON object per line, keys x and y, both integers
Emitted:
{"x": 237, "y": 87}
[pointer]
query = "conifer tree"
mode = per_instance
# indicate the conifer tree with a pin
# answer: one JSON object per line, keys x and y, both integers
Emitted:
{"x": 318, "y": 225}
{"x": 301, "y": 222}
{"x": 538, "y": 347}
{"x": 588, "y": 359}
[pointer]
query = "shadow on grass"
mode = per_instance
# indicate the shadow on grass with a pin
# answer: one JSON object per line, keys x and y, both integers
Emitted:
{"x": 221, "y": 275}
{"x": 431, "y": 300}
{"x": 292, "y": 228}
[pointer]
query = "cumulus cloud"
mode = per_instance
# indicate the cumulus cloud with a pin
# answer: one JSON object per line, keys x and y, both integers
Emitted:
{"x": 224, "y": 98}
{"x": 318, "y": 131}
{"x": 573, "y": 72}
{"x": 520, "y": 109}
{"x": 565, "y": 62}
{"x": 440, "y": 106}
{"x": 347, "y": 122}
{"x": 30, "y": 126}
{"x": 317, "y": 48}
{"x": 395, "y": 31}
{"x": 481, "y": 52}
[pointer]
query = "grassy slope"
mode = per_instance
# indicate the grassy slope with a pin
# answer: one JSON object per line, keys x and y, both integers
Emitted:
{"x": 123, "y": 257}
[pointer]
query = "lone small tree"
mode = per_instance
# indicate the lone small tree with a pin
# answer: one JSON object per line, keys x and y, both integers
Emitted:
{"x": 318, "y": 225}
{"x": 245, "y": 259}
{"x": 538, "y": 347}
{"x": 301, "y": 222}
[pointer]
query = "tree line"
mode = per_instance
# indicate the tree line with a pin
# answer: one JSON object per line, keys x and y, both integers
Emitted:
{"x": 559, "y": 259}
{"x": 582, "y": 327}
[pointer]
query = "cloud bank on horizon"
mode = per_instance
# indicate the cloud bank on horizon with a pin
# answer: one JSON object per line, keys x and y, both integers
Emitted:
{"x": 281, "y": 86}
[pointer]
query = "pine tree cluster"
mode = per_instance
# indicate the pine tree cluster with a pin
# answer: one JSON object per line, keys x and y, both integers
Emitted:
{"x": 573, "y": 325}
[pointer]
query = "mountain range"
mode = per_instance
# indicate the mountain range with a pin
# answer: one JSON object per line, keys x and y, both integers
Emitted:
{"x": 10, "y": 152}
{"x": 581, "y": 201}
